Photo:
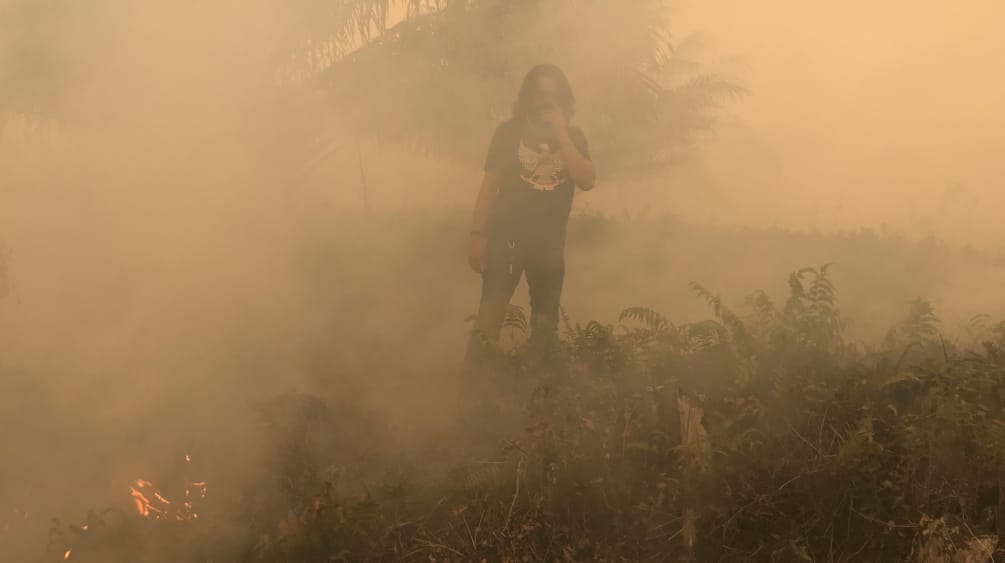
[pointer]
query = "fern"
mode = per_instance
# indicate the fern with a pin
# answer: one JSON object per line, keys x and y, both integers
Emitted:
{"x": 704, "y": 335}
{"x": 980, "y": 323}
{"x": 653, "y": 321}
{"x": 765, "y": 317}
{"x": 983, "y": 329}
{"x": 920, "y": 326}
{"x": 595, "y": 342}
{"x": 812, "y": 313}
{"x": 516, "y": 319}
{"x": 737, "y": 330}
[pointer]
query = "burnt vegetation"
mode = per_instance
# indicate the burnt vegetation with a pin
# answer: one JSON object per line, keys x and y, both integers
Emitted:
{"x": 759, "y": 434}
{"x": 764, "y": 432}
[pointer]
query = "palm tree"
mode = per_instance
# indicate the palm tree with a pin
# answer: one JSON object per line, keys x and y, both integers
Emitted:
{"x": 435, "y": 75}
{"x": 442, "y": 77}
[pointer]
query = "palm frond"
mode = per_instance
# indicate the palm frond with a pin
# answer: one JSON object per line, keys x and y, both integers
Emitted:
{"x": 441, "y": 80}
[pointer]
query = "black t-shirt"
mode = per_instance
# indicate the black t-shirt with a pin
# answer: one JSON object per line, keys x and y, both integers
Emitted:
{"x": 535, "y": 190}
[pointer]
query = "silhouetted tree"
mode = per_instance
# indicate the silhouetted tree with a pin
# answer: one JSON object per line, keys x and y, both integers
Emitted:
{"x": 441, "y": 78}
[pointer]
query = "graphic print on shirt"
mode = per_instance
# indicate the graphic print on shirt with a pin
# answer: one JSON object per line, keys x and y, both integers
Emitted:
{"x": 543, "y": 169}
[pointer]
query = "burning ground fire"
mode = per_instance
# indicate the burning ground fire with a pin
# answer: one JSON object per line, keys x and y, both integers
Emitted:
{"x": 150, "y": 503}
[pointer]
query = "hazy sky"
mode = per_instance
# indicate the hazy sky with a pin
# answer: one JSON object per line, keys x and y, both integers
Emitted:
{"x": 859, "y": 113}
{"x": 868, "y": 110}
{"x": 161, "y": 256}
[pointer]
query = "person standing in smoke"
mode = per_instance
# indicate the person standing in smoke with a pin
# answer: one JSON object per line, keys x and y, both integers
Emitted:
{"x": 535, "y": 161}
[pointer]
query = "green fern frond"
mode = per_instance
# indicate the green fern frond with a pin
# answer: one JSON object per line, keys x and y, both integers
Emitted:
{"x": 763, "y": 307}
{"x": 920, "y": 325}
{"x": 648, "y": 317}
{"x": 515, "y": 319}
{"x": 704, "y": 335}
{"x": 980, "y": 322}
{"x": 730, "y": 320}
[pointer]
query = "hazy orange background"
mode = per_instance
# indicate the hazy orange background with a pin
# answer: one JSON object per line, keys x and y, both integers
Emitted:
{"x": 162, "y": 260}
{"x": 861, "y": 112}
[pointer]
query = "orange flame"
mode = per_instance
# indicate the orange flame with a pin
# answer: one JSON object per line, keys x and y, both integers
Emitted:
{"x": 150, "y": 503}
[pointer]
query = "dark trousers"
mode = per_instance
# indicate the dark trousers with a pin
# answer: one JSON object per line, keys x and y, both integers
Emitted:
{"x": 505, "y": 262}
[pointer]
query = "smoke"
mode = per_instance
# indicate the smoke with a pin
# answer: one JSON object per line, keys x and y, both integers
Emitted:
{"x": 154, "y": 300}
{"x": 175, "y": 258}
{"x": 863, "y": 115}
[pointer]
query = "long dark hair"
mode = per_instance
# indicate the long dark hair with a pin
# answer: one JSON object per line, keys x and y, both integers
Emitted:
{"x": 524, "y": 106}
